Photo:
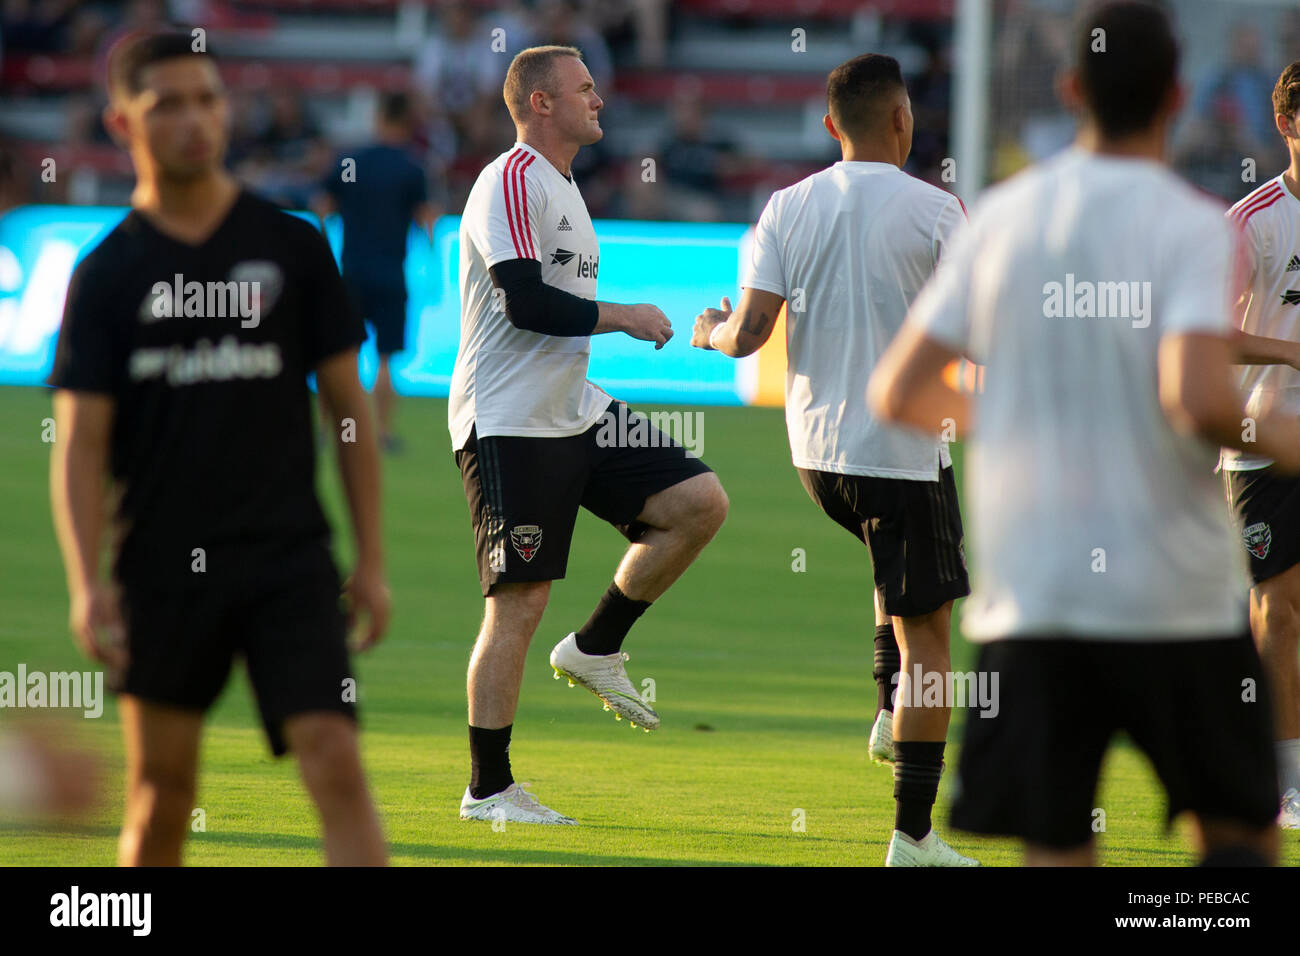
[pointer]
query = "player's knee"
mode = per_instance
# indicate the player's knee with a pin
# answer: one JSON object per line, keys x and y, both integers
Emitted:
{"x": 926, "y": 633}
{"x": 709, "y": 508}
{"x": 327, "y": 752}
{"x": 162, "y": 797}
{"x": 1281, "y": 618}
{"x": 521, "y": 602}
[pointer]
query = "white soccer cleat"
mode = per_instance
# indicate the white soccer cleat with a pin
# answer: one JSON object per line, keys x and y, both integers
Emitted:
{"x": 1289, "y": 818}
{"x": 514, "y": 804}
{"x": 605, "y": 677}
{"x": 930, "y": 851}
{"x": 881, "y": 744}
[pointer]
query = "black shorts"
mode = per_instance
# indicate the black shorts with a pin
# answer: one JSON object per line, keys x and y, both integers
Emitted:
{"x": 1031, "y": 770}
{"x": 524, "y": 493}
{"x": 912, "y": 528}
{"x": 1267, "y": 505}
{"x": 382, "y": 304}
{"x": 282, "y": 617}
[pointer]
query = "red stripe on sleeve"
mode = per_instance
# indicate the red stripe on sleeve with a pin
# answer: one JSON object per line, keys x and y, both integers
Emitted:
{"x": 516, "y": 217}
{"x": 1251, "y": 203}
{"x": 510, "y": 216}
{"x": 1257, "y": 207}
{"x": 523, "y": 193}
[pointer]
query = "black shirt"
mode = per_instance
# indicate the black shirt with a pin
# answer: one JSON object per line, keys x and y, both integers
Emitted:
{"x": 212, "y": 444}
{"x": 377, "y": 209}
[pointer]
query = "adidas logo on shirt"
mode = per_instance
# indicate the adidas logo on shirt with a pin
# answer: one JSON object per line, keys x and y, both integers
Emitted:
{"x": 1294, "y": 264}
{"x": 564, "y": 225}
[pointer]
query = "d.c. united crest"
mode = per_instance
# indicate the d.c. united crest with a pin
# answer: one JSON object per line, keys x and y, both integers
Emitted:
{"x": 1258, "y": 537}
{"x": 526, "y": 538}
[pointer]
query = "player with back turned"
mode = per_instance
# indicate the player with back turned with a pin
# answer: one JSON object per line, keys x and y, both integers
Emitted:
{"x": 1109, "y": 580}
{"x": 378, "y": 196}
{"x": 532, "y": 436}
{"x": 846, "y": 251}
{"x": 187, "y": 337}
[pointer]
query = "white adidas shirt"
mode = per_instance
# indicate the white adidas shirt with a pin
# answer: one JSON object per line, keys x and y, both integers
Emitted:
{"x": 510, "y": 381}
{"x": 849, "y": 249}
{"x": 1089, "y": 515}
{"x": 1269, "y": 219}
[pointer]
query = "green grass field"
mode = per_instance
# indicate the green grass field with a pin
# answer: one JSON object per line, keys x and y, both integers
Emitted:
{"x": 762, "y": 674}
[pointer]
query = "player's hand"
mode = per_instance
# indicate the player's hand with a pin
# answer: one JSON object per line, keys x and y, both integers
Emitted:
{"x": 707, "y": 321}
{"x": 95, "y": 619}
{"x": 367, "y": 591}
{"x": 649, "y": 324}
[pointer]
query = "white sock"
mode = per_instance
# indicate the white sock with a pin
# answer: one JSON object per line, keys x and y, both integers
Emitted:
{"x": 1288, "y": 764}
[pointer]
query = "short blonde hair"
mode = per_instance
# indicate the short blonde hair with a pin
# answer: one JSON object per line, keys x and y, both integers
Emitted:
{"x": 531, "y": 70}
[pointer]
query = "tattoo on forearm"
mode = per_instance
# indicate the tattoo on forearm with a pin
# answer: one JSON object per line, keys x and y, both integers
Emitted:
{"x": 757, "y": 325}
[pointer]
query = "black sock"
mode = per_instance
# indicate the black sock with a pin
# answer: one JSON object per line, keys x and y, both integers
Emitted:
{"x": 917, "y": 766}
{"x": 489, "y": 754}
{"x": 609, "y": 623}
{"x": 885, "y": 672}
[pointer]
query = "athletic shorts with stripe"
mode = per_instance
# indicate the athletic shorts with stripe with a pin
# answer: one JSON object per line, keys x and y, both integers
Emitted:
{"x": 1267, "y": 505}
{"x": 912, "y": 528}
{"x": 524, "y": 493}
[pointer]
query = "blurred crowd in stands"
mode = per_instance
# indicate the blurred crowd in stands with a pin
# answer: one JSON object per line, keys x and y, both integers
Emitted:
{"x": 1228, "y": 116}
{"x": 705, "y": 167}
{"x": 279, "y": 143}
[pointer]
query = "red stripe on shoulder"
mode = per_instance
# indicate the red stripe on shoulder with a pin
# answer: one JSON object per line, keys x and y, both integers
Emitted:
{"x": 511, "y": 217}
{"x": 1257, "y": 199}
{"x": 523, "y": 195}
{"x": 1257, "y": 207}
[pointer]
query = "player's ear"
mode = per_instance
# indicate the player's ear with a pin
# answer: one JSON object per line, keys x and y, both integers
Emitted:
{"x": 1068, "y": 91}
{"x": 538, "y": 102}
{"x": 905, "y": 115}
{"x": 1175, "y": 99}
{"x": 1286, "y": 125}
{"x": 115, "y": 123}
{"x": 830, "y": 126}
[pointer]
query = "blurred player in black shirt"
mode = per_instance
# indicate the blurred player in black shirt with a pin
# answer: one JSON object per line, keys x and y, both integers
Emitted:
{"x": 187, "y": 337}
{"x": 379, "y": 190}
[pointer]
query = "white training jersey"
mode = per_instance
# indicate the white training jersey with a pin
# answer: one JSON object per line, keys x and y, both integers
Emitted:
{"x": 1089, "y": 515}
{"x": 510, "y": 381}
{"x": 1269, "y": 220}
{"x": 849, "y": 248}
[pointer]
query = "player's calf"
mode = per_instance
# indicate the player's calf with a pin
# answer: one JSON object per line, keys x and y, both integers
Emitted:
{"x": 1275, "y": 623}
{"x": 329, "y": 761}
{"x": 919, "y": 731}
{"x": 158, "y": 806}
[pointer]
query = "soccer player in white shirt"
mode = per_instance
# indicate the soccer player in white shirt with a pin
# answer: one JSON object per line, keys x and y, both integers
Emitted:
{"x": 535, "y": 440}
{"x": 847, "y": 250}
{"x": 1109, "y": 583}
{"x": 1267, "y": 503}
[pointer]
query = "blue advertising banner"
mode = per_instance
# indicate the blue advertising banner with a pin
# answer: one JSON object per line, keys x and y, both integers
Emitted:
{"x": 680, "y": 267}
